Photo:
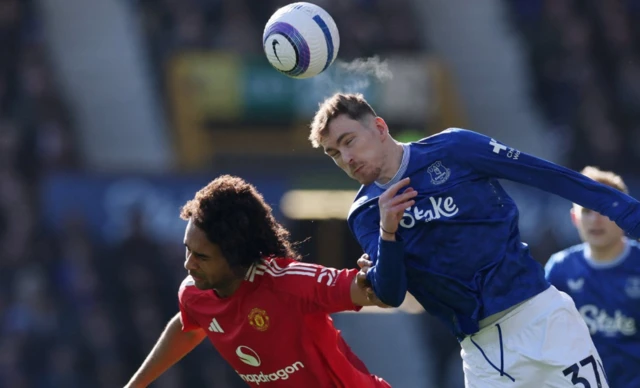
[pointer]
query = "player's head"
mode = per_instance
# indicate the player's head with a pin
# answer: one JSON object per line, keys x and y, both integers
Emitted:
{"x": 351, "y": 133}
{"x": 230, "y": 227}
{"x": 594, "y": 228}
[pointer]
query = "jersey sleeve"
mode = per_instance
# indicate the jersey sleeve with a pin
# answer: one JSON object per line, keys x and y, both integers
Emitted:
{"x": 188, "y": 323}
{"x": 551, "y": 271}
{"x": 556, "y": 271}
{"x": 388, "y": 276}
{"x": 313, "y": 288}
{"x": 494, "y": 159}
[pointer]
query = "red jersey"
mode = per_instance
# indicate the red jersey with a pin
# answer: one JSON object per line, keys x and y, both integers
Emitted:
{"x": 275, "y": 330}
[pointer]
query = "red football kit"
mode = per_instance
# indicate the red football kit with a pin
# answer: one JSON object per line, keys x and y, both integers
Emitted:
{"x": 275, "y": 330}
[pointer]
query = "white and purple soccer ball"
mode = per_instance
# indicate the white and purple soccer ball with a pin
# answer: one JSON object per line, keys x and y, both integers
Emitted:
{"x": 301, "y": 40}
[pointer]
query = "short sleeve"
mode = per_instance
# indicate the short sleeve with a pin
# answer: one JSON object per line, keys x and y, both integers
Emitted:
{"x": 551, "y": 271}
{"x": 188, "y": 323}
{"x": 313, "y": 288}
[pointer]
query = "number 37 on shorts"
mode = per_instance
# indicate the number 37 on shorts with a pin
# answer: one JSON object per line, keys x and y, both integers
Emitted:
{"x": 588, "y": 373}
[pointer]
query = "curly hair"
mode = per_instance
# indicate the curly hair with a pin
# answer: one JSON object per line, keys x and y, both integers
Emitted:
{"x": 234, "y": 216}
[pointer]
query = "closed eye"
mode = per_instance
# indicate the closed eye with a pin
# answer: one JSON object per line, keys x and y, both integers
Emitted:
{"x": 197, "y": 255}
{"x": 200, "y": 256}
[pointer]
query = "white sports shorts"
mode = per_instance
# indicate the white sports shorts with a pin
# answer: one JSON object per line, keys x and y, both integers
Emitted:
{"x": 542, "y": 343}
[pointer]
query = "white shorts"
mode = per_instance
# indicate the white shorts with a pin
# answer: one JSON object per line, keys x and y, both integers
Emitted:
{"x": 545, "y": 343}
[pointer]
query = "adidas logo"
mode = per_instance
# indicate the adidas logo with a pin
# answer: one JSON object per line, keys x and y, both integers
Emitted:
{"x": 215, "y": 326}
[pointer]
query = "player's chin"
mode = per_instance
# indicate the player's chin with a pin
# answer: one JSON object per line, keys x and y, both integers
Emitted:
{"x": 600, "y": 241}
{"x": 363, "y": 179}
{"x": 202, "y": 284}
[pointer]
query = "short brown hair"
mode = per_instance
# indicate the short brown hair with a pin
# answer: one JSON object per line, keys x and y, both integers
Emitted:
{"x": 352, "y": 105}
{"x": 235, "y": 216}
{"x": 606, "y": 178}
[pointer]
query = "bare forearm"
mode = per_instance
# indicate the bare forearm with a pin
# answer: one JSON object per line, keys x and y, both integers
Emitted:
{"x": 172, "y": 345}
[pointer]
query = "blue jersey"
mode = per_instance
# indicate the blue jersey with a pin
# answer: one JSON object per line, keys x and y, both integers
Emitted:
{"x": 608, "y": 297}
{"x": 463, "y": 259}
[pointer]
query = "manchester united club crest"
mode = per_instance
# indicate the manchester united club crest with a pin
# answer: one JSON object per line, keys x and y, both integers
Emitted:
{"x": 259, "y": 319}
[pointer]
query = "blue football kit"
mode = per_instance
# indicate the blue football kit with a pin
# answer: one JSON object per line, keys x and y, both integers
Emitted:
{"x": 607, "y": 295}
{"x": 460, "y": 253}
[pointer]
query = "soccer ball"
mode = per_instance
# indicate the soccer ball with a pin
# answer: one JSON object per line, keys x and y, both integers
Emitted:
{"x": 301, "y": 40}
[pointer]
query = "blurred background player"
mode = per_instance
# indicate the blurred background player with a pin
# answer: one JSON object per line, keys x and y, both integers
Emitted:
{"x": 602, "y": 275}
{"x": 264, "y": 311}
{"x": 465, "y": 261}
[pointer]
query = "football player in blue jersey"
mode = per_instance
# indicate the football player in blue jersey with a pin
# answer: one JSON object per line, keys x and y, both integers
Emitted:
{"x": 602, "y": 275}
{"x": 462, "y": 255}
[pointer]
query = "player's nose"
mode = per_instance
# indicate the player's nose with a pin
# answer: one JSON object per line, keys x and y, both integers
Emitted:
{"x": 351, "y": 164}
{"x": 598, "y": 218}
{"x": 189, "y": 263}
{"x": 347, "y": 159}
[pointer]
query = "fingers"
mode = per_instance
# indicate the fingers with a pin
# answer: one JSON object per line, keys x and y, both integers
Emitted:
{"x": 372, "y": 298}
{"x": 370, "y": 294}
{"x": 393, "y": 190}
{"x": 361, "y": 280}
{"x": 404, "y": 197}
{"x": 364, "y": 261}
{"x": 401, "y": 207}
{"x": 390, "y": 202}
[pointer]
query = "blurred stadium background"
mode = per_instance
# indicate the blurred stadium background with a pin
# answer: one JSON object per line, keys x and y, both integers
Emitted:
{"x": 114, "y": 112}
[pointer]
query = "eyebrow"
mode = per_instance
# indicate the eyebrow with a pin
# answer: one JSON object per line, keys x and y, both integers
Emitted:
{"x": 194, "y": 252}
{"x": 340, "y": 139}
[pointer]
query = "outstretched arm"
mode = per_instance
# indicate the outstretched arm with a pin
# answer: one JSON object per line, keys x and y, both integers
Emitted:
{"x": 171, "y": 347}
{"x": 387, "y": 277}
{"x": 361, "y": 292}
{"x": 495, "y": 159}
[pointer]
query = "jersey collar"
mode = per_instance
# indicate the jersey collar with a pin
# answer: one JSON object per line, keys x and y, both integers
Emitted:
{"x": 406, "y": 152}
{"x": 607, "y": 264}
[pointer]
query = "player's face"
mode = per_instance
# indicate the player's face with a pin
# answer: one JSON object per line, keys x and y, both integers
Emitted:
{"x": 356, "y": 146}
{"x": 594, "y": 228}
{"x": 204, "y": 261}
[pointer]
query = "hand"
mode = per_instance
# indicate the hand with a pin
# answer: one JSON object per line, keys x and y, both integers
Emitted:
{"x": 364, "y": 261}
{"x": 392, "y": 207}
{"x": 361, "y": 280}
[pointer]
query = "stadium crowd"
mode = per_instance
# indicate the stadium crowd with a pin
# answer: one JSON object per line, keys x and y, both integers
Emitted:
{"x": 586, "y": 75}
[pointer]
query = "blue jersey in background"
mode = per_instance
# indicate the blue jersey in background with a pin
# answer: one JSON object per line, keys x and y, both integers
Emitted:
{"x": 607, "y": 294}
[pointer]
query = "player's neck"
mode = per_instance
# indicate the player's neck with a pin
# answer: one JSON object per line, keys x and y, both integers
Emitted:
{"x": 230, "y": 288}
{"x": 392, "y": 162}
{"x": 608, "y": 253}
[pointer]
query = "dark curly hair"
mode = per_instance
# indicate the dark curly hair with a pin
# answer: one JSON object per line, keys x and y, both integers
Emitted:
{"x": 234, "y": 216}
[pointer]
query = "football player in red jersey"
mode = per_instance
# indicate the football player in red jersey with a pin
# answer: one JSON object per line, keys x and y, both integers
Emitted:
{"x": 263, "y": 310}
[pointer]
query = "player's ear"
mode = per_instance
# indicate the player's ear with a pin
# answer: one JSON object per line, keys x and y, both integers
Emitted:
{"x": 381, "y": 126}
{"x": 574, "y": 217}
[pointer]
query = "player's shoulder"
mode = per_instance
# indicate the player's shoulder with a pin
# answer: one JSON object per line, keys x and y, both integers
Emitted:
{"x": 568, "y": 256}
{"x": 444, "y": 136}
{"x": 289, "y": 277}
{"x": 634, "y": 250}
{"x": 366, "y": 196}
{"x": 437, "y": 139}
{"x": 634, "y": 246}
{"x": 188, "y": 290}
{"x": 281, "y": 272}
{"x": 440, "y": 149}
